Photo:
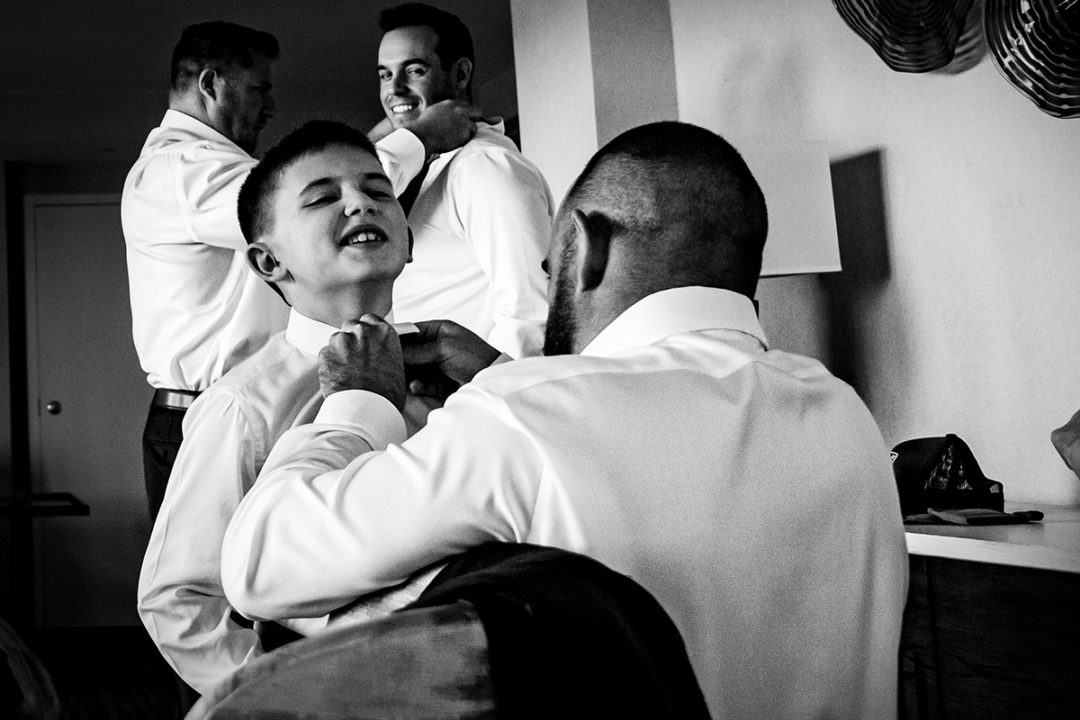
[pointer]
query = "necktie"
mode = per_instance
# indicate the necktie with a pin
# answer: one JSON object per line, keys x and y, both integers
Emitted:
{"x": 408, "y": 195}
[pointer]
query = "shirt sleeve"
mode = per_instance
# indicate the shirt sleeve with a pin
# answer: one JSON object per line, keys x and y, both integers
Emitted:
{"x": 181, "y": 601}
{"x": 208, "y": 180}
{"x": 344, "y": 506}
{"x": 504, "y": 206}
{"x": 402, "y": 156}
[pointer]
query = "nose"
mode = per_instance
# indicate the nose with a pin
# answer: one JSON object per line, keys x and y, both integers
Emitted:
{"x": 397, "y": 82}
{"x": 357, "y": 202}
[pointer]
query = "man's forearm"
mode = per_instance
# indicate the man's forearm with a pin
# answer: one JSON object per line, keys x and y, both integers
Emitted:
{"x": 285, "y": 544}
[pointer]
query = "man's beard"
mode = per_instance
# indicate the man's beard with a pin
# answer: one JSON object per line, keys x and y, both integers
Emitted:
{"x": 561, "y": 325}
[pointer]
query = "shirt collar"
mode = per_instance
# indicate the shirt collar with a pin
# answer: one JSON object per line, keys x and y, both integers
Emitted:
{"x": 492, "y": 128}
{"x": 311, "y": 336}
{"x": 307, "y": 335}
{"x": 673, "y": 311}
{"x": 182, "y": 121}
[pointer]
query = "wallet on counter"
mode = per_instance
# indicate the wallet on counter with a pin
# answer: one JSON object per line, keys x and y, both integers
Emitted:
{"x": 984, "y": 516}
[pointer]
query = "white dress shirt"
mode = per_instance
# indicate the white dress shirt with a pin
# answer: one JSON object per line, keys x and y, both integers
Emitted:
{"x": 228, "y": 432}
{"x": 481, "y": 226}
{"x": 197, "y": 310}
{"x": 748, "y": 489}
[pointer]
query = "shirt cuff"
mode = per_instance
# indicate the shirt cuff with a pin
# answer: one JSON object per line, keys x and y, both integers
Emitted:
{"x": 366, "y": 414}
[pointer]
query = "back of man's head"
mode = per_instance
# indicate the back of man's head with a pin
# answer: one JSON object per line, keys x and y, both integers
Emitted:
{"x": 455, "y": 40}
{"x": 220, "y": 46}
{"x": 256, "y": 200}
{"x": 685, "y": 203}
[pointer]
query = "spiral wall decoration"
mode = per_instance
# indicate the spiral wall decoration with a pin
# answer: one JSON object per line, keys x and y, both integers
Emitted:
{"x": 908, "y": 35}
{"x": 1035, "y": 44}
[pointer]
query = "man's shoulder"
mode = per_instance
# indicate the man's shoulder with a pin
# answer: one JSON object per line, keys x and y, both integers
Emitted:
{"x": 800, "y": 367}
{"x": 488, "y": 143}
{"x": 167, "y": 139}
{"x": 177, "y": 165}
{"x": 711, "y": 359}
{"x": 490, "y": 139}
{"x": 491, "y": 145}
{"x": 492, "y": 163}
{"x": 526, "y": 374}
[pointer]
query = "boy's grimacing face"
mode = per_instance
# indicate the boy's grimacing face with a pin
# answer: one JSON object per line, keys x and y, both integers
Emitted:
{"x": 337, "y": 222}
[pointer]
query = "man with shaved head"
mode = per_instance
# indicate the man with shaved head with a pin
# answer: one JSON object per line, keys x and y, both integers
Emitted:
{"x": 746, "y": 488}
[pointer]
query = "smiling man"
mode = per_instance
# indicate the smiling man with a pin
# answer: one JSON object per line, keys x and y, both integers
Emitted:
{"x": 481, "y": 215}
{"x": 326, "y": 231}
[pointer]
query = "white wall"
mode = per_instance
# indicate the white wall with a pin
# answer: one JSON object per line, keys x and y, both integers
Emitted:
{"x": 552, "y": 60}
{"x": 615, "y": 70}
{"x": 586, "y": 71}
{"x": 974, "y": 329}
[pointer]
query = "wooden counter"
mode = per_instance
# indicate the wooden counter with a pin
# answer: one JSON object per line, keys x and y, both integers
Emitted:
{"x": 1050, "y": 544}
{"x": 992, "y": 624}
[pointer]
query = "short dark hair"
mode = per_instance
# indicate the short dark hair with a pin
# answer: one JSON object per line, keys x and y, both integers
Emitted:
{"x": 218, "y": 45}
{"x": 455, "y": 40}
{"x": 687, "y": 184}
{"x": 254, "y": 204}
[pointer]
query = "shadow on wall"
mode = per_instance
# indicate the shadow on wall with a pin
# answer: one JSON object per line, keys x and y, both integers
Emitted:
{"x": 859, "y": 199}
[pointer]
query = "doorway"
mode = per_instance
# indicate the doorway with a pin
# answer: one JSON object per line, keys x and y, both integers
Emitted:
{"x": 87, "y": 400}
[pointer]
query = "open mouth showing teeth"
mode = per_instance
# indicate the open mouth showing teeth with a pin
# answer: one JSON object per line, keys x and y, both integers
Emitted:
{"x": 363, "y": 236}
{"x": 402, "y": 108}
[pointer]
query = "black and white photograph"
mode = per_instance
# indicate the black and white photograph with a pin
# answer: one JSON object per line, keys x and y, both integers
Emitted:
{"x": 515, "y": 359}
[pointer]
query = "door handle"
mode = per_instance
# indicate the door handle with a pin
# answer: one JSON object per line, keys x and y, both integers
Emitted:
{"x": 53, "y": 407}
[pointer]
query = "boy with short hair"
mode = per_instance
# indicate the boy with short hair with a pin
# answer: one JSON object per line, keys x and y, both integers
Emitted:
{"x": 325, "y": 230}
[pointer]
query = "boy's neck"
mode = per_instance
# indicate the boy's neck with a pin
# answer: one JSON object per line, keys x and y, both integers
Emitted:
{"x": 337, "y": 309}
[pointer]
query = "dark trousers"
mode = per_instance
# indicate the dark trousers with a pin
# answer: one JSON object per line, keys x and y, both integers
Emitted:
{"x": 161, "y": 443}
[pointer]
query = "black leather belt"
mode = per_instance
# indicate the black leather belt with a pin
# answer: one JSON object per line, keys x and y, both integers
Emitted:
{"x": 174, "y": 399}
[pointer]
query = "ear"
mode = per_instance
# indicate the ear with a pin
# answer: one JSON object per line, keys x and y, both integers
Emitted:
{"x": 263, "y": 262}
{"x": 461, "y": 72}
{"x": 408, "y": 258}
{"x": 593, "y": 237}
{"x": 207, "y": 79}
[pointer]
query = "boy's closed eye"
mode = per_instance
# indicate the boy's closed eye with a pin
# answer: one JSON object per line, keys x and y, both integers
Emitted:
{"x": 320, "y": 200}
